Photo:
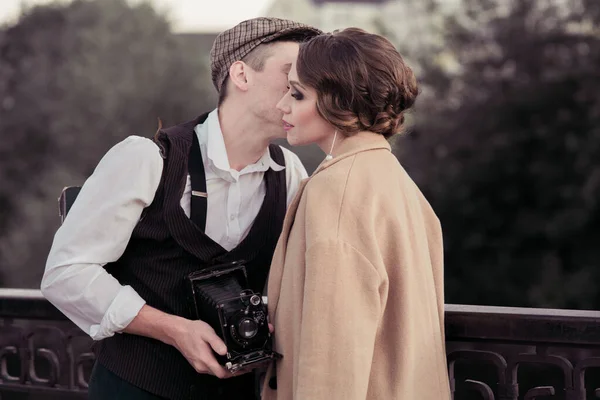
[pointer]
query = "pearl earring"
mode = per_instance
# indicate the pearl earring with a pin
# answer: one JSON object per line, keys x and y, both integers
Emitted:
{"x": 330, "y": 156}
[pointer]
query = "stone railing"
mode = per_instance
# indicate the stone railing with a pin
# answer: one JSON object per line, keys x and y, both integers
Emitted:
{"x": 499, "y": 353}
{"x": 494, "y": 353}
{"x": 41, "y": 352}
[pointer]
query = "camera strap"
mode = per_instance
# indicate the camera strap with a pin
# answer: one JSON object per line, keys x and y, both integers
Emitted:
{"x": 199, "y": 200}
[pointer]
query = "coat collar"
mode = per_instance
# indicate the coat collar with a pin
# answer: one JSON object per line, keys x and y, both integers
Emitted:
{"x": 357, "y": 143}
{"x": 360, "y": 142}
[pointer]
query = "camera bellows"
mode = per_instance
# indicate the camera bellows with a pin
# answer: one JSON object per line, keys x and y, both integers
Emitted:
{"x": 219, "y": 289}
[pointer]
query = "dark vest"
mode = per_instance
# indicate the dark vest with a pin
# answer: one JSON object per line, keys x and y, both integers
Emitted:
{"x": 164, "y": 248}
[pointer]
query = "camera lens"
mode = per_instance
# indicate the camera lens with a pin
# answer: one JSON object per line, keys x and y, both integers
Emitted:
{"x": 247, "y": 328}
{"x": 255, "y": 300}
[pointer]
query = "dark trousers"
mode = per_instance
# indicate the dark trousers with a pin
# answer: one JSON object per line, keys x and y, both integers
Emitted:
{"x": 104, "y": 385}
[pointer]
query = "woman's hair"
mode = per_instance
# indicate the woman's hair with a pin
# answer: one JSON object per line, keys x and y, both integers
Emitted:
{"x": 361, "y": 80}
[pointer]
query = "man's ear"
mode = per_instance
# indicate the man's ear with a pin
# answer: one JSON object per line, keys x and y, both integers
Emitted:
{"x": 238, "y": 75}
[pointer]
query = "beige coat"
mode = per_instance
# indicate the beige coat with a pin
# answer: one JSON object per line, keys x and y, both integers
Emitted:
{"x": 356, "y": 289}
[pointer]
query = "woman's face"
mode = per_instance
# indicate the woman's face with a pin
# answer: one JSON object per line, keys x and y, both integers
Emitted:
{"x": 301, "y": 120}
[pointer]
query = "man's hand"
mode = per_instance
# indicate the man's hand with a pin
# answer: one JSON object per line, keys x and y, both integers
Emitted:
{"x": 195, "y": 339}
{"x": 195, "y": 343}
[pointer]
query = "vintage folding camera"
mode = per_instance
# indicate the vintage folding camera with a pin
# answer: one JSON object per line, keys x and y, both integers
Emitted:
{"x": 238, "y": 315}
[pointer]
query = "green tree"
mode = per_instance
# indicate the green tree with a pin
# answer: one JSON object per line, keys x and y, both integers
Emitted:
{"x": 508, "y": 150}
{"x": 74, "y": 80}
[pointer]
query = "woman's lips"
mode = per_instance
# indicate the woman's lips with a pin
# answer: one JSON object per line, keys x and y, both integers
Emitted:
{"x": 287, "y": 126}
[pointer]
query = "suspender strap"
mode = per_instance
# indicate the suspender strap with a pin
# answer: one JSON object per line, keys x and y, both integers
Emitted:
{"x": 279, "y": 158}
{"x": 199, "y": 201}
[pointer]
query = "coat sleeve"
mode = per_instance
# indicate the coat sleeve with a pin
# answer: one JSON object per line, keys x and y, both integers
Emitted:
{"x": 340, "y": 313}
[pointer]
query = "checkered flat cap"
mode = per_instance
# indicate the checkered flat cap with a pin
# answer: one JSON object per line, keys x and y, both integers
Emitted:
{"x": 234, "y": 44}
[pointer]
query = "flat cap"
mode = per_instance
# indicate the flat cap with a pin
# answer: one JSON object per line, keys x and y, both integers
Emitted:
{"x": 234, "y": 44}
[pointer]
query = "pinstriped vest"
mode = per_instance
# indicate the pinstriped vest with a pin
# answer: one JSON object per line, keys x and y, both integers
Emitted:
{"x": 164, "y": 248}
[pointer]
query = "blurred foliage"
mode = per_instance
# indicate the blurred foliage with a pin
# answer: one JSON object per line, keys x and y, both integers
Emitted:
{"x": 507, "y": 148}
{"x": 504, "y": 140}
{"x": 74, "y": 80}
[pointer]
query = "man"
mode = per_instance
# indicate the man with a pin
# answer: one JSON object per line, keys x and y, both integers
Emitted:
{"x": 118, "y": 263}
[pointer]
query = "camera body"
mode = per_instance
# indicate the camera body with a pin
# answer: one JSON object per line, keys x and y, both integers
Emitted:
{"x": 239, "y": 316}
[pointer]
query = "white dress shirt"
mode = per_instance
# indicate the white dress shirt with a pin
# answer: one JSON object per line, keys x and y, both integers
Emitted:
{"x": 100, "y": 223}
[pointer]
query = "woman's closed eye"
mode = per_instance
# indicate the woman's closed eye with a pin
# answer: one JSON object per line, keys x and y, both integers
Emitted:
{"x": 294, "y": 93}
{"x": 297, "y": 95}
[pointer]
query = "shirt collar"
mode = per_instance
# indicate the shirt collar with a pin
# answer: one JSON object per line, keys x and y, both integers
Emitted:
{"x": 217, "y": 153}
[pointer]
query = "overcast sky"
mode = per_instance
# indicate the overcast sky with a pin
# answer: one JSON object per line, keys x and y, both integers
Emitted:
{"x": 186, "y": 15}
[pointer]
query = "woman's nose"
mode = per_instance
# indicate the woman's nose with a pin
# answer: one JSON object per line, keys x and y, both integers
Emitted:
{"x": 282, "y": 105}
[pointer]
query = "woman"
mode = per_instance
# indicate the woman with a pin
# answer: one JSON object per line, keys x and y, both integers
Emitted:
{"x": 356, "y": 282}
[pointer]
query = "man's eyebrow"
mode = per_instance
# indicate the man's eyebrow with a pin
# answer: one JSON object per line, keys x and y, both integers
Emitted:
{"x": 295, "y": 83}
{"x": 286, "y": 68}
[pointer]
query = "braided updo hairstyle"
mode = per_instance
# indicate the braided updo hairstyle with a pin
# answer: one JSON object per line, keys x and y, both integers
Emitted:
{"x": 361, "y": 80}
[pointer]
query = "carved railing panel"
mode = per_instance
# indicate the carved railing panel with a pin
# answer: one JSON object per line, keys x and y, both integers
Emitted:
{"x": 41, "y": 353}
{"x": 43, "y": 359}
{"x": 514, "y": 353}
{"x": 493, "y": 353}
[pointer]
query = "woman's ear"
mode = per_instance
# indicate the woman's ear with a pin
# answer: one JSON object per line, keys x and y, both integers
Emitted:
{"x": 238, "y": 75}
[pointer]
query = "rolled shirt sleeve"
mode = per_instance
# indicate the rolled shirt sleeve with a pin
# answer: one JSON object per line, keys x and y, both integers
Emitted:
{"x": 96, "y": 232}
